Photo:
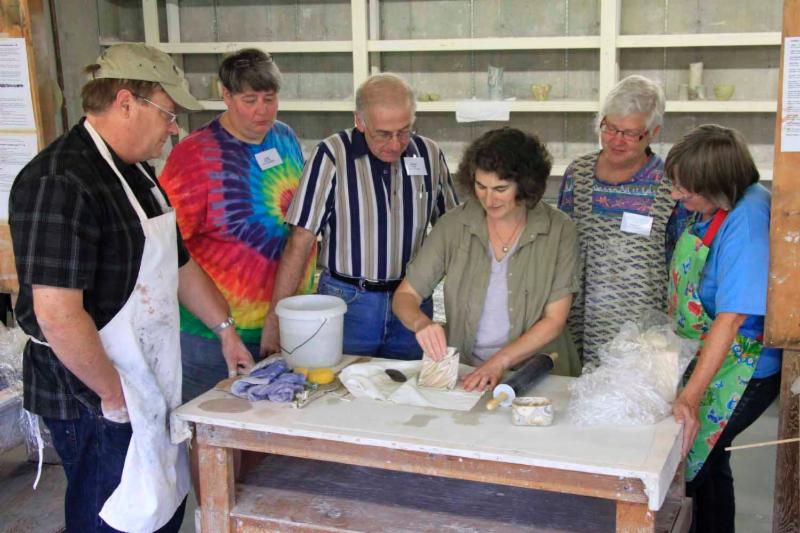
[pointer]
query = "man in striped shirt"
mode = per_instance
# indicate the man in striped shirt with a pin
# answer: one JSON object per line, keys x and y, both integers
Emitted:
{"x": 371, "y": 192}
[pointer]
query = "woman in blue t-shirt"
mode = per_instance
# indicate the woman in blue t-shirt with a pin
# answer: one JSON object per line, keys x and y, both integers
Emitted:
{"x": 718, "y": 295}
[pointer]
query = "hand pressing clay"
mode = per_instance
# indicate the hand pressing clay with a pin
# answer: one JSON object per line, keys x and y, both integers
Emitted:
{"x": 439, "y": 374}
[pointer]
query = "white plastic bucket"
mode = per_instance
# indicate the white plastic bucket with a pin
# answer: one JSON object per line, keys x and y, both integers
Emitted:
{"x": 311, "y": 328}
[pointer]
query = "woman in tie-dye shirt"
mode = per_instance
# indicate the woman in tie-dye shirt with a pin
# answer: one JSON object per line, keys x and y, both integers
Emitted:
{"x": 231, "y": 182}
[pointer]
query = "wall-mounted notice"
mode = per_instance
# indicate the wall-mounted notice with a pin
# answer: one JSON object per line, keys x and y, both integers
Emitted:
{"x": 15, "y": 152}
{"x": 790, "y": 113}
{"x": 16, "y": 106}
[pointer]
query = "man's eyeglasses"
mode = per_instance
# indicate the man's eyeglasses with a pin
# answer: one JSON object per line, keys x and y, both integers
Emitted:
{"x": 628, "y": 135}
{"x": 385, "y": 137}
{"x": 169, "y": 115}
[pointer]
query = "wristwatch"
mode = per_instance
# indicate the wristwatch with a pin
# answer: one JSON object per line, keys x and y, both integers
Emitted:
{"x": 225, "y": 324}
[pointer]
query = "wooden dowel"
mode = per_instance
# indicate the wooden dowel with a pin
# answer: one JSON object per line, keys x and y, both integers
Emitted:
{"x": 492, "y": 404}
{"x": 760, "y": 444}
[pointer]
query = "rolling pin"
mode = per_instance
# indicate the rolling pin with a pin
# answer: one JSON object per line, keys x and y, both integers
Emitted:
{"x": 533, "y": 369}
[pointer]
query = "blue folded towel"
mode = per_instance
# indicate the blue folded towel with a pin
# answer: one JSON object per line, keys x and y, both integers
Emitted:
{"x": 275, "y": 382}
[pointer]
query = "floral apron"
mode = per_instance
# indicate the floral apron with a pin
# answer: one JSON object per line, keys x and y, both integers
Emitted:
{"x": 692, "y": 322}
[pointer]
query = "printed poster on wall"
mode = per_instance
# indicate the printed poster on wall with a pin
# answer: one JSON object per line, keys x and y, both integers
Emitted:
{"x": 790, "y": 96}
{"x": 16, "y": 105}
{"x": 15, "y": 152}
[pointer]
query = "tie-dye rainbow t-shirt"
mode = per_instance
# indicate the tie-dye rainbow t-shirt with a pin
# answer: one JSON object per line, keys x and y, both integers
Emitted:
{"x": 231, "y": 216}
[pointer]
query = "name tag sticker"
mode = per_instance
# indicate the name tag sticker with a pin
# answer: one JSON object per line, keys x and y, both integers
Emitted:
{"x": 638, "y": 224}
{"x": 268, "y": 159}
{"x": 415, "y": 166}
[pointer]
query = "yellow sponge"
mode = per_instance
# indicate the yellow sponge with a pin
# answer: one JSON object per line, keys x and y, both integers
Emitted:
{"x": 320, "y": 376}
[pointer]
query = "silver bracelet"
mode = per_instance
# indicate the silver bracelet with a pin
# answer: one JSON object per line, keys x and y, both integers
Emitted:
{"x": 225, "y": 324}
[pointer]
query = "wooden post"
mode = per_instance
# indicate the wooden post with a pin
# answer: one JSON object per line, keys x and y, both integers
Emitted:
{"x": 785, "y": 516}
{"x": 26, "y": 18}
{"x": 216, "y": 487}
{"x": 634, "y": 518}
{"x": 783, "y": 315}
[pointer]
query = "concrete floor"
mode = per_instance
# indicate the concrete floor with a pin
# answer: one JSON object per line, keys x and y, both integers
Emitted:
{"x": 23, "y": 510}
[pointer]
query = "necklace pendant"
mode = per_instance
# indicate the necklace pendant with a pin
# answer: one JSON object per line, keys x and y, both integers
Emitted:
{"x": 505, "y": 249}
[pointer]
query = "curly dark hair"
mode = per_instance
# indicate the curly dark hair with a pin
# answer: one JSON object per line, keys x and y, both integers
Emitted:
{"x": 513, "y": 155}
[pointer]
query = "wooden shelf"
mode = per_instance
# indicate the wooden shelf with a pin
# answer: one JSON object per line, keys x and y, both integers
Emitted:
{"x": 293, "y": 105}
{"x": 484, "y": 43}
{"x": 715, "y": 106}
{"x": 525, "y": 106}
{"x": 365, "y": 46}
{"x": 274, "y": 47}
{"x": 684, "y": 40}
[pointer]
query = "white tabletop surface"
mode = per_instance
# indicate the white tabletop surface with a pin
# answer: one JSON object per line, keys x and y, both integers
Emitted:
{"x": 650, "y": 453}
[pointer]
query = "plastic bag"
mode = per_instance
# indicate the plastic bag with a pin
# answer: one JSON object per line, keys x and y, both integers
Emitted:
{"x": 12, "y": 428}
{"x": 12, "y": 343}
{"x": 637, "y": 378}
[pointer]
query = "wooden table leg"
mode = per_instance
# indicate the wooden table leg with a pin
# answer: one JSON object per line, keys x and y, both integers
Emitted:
{"x": 217, "y": 487}
{"x": 635, "y": 518}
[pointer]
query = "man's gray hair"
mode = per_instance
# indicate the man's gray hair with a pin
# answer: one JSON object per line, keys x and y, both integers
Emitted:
{"x": 384, "y": 89}
{"x": 634, "y": 94}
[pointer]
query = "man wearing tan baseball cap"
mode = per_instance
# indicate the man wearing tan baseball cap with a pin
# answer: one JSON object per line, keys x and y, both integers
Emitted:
{"x": 102, "y": 269}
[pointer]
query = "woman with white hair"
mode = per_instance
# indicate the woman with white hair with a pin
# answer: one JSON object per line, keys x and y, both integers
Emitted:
{"x": 619, "y": 198}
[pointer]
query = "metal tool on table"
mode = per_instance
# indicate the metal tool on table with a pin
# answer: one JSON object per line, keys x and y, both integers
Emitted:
{"x": 396, "y": 376}
{"x": 307, "y": 396}
{"x": 522, "y": 380}
{"x": 335, "y": 388}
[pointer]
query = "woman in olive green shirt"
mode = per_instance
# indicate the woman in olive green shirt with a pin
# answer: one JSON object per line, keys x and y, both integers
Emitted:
{"x": 508, "y": 259}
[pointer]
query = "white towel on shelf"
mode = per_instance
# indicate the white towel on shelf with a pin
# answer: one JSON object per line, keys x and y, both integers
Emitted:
{"x": 483, "y": 110}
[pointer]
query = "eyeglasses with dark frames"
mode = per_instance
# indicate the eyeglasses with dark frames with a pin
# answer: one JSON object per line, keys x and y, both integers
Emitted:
{"x": 628, "y": 135}
{"x": 169, "y": 115}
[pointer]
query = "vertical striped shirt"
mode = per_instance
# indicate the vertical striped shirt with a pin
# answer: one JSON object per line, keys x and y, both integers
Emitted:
{"x": 372, "y": 215}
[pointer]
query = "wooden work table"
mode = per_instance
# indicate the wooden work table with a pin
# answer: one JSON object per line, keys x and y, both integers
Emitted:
{"x": 635, "y": 468}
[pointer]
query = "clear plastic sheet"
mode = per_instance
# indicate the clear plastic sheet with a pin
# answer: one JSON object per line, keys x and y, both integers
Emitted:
{"x": 637, "y": 378}
{"x": 13, "y": 425}
{"x": 12, "y": 342}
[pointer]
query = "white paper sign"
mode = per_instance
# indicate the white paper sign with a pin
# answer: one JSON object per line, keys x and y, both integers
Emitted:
{"x": 790, "y": 97}
{"x": 16, "y": 105}
{"x": 268, "y": 159}
{"x": 638, "y": 224}
{"x": 415, "y": 166}
{"x": 15, "y": 152}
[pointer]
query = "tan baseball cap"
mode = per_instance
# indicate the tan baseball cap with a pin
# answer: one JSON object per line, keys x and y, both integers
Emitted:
{"x": 136, "y": 61}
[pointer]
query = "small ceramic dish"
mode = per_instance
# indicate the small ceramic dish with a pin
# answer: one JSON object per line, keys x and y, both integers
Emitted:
{"x": 532, "y": 411}
{"x": 724, "y": 92}
{"x": 540, "y": 91}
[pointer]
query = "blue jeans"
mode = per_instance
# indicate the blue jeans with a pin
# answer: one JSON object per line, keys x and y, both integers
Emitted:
{"x": 93, "y": 451}
{"x": 203, "y": 364}
{"x": 711, "y": 490}
{"x": 370, "y": 326}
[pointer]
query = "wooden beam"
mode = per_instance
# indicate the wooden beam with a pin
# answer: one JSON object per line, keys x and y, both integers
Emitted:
{"x": 26, "y": 18}
{"x": 530, "y": 477}
{"x": 216, "y": 486}
{"x": 634, "y": 518}
{"x": 782, "y": 324}
{"x": 786, "y": 502}
{"x": 8, "y": 271}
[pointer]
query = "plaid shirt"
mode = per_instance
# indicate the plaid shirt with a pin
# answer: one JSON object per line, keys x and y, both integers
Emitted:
{"x": 73, "y": 227}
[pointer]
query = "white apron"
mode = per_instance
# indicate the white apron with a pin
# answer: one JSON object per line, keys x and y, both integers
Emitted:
{"x": 143, "y": 342}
